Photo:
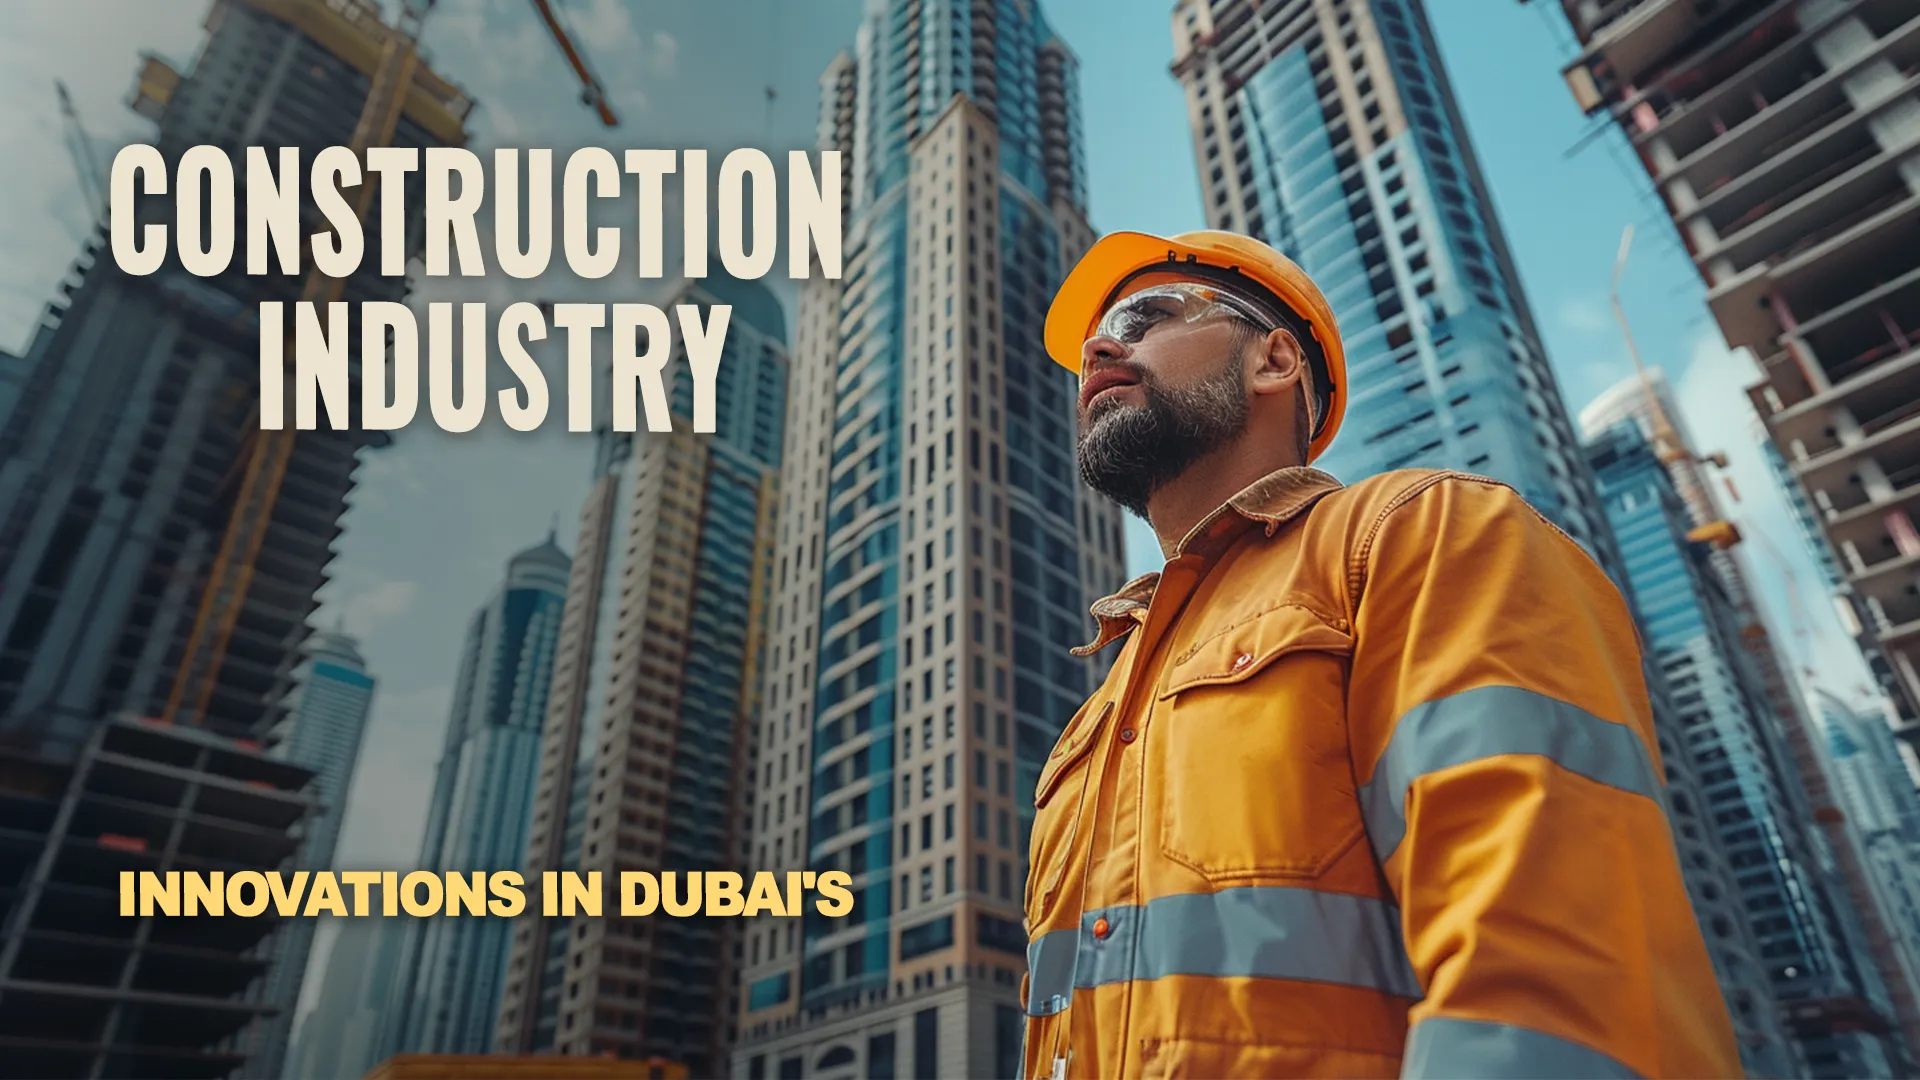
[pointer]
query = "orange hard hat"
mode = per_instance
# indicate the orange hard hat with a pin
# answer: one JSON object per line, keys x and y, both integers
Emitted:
{"x": 1228, "y": 259}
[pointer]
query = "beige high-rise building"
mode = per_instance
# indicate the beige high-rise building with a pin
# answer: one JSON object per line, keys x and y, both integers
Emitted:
{"x": 936, "y": 556}
{"x": 654, "y": 684}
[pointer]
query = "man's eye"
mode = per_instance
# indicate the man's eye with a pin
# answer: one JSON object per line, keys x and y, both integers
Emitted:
{"x": 1137, "y": 320}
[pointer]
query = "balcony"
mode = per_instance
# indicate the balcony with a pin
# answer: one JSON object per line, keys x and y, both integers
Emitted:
{"x": 1633, "y": 39}
{"x": 1813, "y": 196}
{"x": 1876, "y": 328}
{"x": 1878, "y": 398}
{"x": 1730, "y": 92}
{"x": 1844, "y": 240}
{"x": 1834, "y": 474}
{"x": 1865, "y": 526}
{"x": 1889, "y": 580}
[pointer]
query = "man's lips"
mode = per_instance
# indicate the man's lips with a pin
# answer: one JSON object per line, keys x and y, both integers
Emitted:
{"x": 1102, "y": 381}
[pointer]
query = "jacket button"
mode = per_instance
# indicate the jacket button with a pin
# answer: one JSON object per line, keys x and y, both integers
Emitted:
{"x": 1242, "y": 661}
{"x": 1101, "y": 928}
{"x": 1128, "y": 734}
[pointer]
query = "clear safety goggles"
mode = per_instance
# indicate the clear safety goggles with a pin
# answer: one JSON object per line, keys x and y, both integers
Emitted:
{"x": 1130, "y": 317}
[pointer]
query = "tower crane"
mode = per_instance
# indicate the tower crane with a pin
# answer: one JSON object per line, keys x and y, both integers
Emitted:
{"x": 591, "y": 92}
{"x": 268, "y": 453}
{"x": 80, "y": 146}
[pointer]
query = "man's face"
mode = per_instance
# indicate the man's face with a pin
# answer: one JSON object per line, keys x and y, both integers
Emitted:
{"x": 1156, "y": 395}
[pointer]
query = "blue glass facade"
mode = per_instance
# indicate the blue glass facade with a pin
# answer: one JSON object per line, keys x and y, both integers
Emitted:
{"x": 448, "y": 990}
{"x": 1754, "y": 803}
{"x": 1336, "y": 140}
{"x": 1876, "y": 791}
{"x": 323, "y": 732}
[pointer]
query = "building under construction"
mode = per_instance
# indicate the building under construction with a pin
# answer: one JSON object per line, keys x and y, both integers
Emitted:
{"x": 128, "y": 439}
{"x": 1780, "y": 135}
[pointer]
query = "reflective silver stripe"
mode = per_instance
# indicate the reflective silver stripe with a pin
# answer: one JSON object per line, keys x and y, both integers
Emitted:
{"x": 1487, "y": 722}
{"x": 1255, "y": 931}
{"x": 1443, "y": 1046}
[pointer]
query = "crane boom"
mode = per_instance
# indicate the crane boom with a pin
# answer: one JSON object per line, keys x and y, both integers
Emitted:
{"x": 269, "y": 452}
{"x": 591, "y": 91}
{"x": 80, "y": 145}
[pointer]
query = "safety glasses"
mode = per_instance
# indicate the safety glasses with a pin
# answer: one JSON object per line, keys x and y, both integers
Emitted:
{"x": 1130, "y": 317}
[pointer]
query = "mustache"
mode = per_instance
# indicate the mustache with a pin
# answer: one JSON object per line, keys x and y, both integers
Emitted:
{"x": 1135, "y": 371}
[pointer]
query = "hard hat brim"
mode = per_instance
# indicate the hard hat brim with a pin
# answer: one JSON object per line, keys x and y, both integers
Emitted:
{"x": 1083, "y": 295}
{"x": 1114, "y": 258}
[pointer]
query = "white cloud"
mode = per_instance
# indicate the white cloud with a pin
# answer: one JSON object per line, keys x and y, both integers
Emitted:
{"x": 364, "y": 609}
{"x": 1586, "y": 314}
{"x": 663, "y": 54}
{"x": 1779, "y": 566}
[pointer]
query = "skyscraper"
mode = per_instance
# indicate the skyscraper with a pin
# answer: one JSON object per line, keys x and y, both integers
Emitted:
{"x": 323, "y": 734}
{"x": 936, "y": 554}
{"x": 1779, "y": 136}
{"x": 1330, "y": 130}
{"x": 1779, "y": 936}
{"x": 112, "y": 504}
{"x": 1876, "y": 789}
{"x": 655, "y": 681}
{"x": 341, "y": 1036}
{"x": 446, "y": 994}
{"x": 123, "y": 421}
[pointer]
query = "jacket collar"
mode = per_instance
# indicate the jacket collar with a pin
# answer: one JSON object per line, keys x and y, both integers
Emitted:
{"x": 1270, "y": 502}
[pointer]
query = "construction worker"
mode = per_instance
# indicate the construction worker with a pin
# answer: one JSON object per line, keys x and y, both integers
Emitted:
{"x": 1372, "y": 786}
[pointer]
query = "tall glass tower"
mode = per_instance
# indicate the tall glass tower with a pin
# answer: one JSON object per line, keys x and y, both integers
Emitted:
{"x": 1330, "y": 131}
{"x": 936, "y": 555}
{"x": 1877, "y": 791}
{"x": 447, "y": 991}
{"x": 323, "y": 733}
{"x": 1797, "y": 945}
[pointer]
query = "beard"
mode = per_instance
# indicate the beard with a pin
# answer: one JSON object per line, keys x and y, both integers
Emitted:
{"x": 1127, "y": 452}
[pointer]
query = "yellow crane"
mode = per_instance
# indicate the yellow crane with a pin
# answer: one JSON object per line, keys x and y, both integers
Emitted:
{"x": 268, "y": 453}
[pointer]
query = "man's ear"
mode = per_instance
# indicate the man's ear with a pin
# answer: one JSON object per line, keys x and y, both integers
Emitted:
{"x": 1278, "y": 365}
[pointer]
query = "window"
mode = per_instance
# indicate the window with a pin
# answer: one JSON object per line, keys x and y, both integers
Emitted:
{"x": 925, "y": 938}
{"x": 926, "y": 1032}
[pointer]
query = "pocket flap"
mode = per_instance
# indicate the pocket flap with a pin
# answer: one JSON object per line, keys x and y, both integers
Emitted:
{"x": 1074, "y": 743}
{"x": 1243, "y": 649}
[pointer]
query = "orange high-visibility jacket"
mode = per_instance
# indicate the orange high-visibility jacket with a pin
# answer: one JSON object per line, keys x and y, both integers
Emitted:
{"x": 1371, "y": 790}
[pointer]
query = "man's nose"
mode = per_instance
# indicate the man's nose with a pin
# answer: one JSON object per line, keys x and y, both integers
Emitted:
{"x": 1102, "y": 349}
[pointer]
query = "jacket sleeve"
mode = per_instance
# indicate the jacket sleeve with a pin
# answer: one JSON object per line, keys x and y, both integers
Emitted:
{"x": 1510, "y": 779}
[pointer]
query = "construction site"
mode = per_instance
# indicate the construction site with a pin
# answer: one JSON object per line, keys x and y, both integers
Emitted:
{"x": 159, "y": 558}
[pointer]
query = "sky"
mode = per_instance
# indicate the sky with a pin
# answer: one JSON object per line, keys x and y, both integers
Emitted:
{"x": 436, "y": 516}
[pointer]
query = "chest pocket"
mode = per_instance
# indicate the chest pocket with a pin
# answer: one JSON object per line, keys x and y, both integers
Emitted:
{"x": 1248, "y": 750}
{"x": 1056, "y": 799}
